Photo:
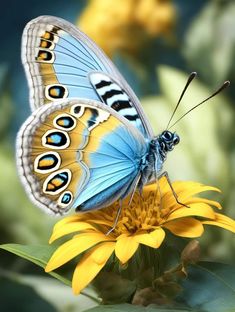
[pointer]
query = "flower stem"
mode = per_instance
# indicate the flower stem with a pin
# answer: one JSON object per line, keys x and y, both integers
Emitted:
{"x": 90, "y": 297}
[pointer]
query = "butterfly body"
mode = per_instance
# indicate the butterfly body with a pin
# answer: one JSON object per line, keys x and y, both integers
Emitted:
{"x": 87, "y": 142}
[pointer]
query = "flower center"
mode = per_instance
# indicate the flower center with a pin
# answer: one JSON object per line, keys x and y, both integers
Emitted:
{"x": 142, "y": 214}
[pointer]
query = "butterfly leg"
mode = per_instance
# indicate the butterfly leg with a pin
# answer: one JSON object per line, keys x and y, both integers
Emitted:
{"x": 134, "y": 185}
{"x": 159, "y": 191}
{"x": 116, "y": 218}
{"x": 165, "y": 174}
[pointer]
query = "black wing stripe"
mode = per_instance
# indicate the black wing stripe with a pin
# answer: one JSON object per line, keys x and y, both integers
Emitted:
{"x": 131, "y": 117}
{"x": 120, "y": 104}
{"x": 103, "y": 83}
{"x": 110, "y": 94}
{"x": 114, "y": 96}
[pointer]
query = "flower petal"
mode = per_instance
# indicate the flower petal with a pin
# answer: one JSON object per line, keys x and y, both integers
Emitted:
{"x": 185, "y": 227}
{"x": 73, "y": 248}
{"x": 204, "y": 200}
{"x": 153, "y": 239}
{"x": 101, "y": 222}
{"x": 68, "y": 228}
{"x": 125, "y": 247}
{"x": 90, "y": 265}
{"x": 199, "y": 210}
{"x": 189, "y": 188}
{"x": 73, "y": 218}
{"x": 222, "y": 221}
{"x": 184, "y": 190}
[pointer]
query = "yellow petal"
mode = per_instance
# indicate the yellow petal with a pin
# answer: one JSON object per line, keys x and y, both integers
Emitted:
{"x": 186, "y": 189}
{"x": 101, "y": 222}
{"x": 185, "y": 227}
{"x": 204, "y": 200}
{"x": 90, "y": 265}
{"x": 125, "y": 247}
{"x": 68, "y": 228}
{"x": 73, "y": 248}
{"x": 73, "y": 218}
{"x": 222, "y": 221}
{"x": 153, "y": 239}
{"x": 199, "y": 210}
{"x": 170, "y": 203}
{"x": 158, "y": 234}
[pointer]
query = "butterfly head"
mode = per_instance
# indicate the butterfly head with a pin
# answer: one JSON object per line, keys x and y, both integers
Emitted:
{"x": 167, "y": 140}
{"x": 165, "y": 143}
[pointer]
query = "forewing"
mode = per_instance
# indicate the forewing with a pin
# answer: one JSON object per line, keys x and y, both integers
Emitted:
{"x": 58, "y": 59}
{"x": 78, "y": 153}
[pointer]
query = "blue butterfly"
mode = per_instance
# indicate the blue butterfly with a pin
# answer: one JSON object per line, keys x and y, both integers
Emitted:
{"x": 87, "y": 142}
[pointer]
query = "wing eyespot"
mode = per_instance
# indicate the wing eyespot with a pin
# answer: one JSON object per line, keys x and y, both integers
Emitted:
{"x": 56, "y": 92}
{"x": 47, "y": 162}
{"x": 55, "y": 139}
{"x": 64, "y": 122}
{"x": 65, "y": 199}
{"x": 57, "y": 182}
{"x": 45, "y": 44}
{"x": 45, "y": 56}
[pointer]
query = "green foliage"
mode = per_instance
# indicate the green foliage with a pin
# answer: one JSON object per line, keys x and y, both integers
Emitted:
{"x": 6, "y": 109}
{"x": 130, "y": 308}
{"x": 213, "y": 284}
{"x": 210, "y": 287}
{"x": 18, "y": 297}
{"x": 39, "y": 255}
{"x": 24, "y": 293}
{"x": 209, "y": 45}
{"x": 40, "y": 291}
{"x": 113, "y": 288}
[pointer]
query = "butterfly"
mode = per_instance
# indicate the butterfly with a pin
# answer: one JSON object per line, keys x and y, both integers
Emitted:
{"x": 87, "y": 142}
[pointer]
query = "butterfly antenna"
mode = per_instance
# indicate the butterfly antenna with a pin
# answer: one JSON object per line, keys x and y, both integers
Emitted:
{"x": 190, "y": 78}
{"x": 225, "y": 85}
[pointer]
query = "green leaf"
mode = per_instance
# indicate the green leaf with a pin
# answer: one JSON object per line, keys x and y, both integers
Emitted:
{"x": 57, "y": 294}
{"x": 113, "y": 288}
{"x": 17, "y": 297}
{"x": 134, "y": 308}
{"x": 210, "y": 287}
{"x": 209, "y": 45}
{"x": 38, "y": 254}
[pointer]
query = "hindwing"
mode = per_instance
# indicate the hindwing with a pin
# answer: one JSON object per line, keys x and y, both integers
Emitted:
{"x": 78, "y": 153}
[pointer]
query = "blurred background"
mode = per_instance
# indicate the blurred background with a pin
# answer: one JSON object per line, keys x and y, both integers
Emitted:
{"x": 155, "y": 44}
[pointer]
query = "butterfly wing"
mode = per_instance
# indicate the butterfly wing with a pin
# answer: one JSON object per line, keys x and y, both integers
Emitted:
{"x": 62, "y": 62}
{"x": 78, "y": 153}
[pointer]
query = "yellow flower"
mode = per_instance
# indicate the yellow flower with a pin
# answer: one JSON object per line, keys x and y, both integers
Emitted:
{"x": 126, "y": 26}
{"x": 144, "y": 221}
{"x": 156, "y": 17}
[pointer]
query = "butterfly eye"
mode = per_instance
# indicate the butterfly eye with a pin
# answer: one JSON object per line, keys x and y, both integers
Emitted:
{"x": 176, "y": 139}
{"x": 167, "y": 135}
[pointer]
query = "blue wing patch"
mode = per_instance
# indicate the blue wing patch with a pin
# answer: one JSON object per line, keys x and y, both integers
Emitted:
{"x": 113, "y": 167}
